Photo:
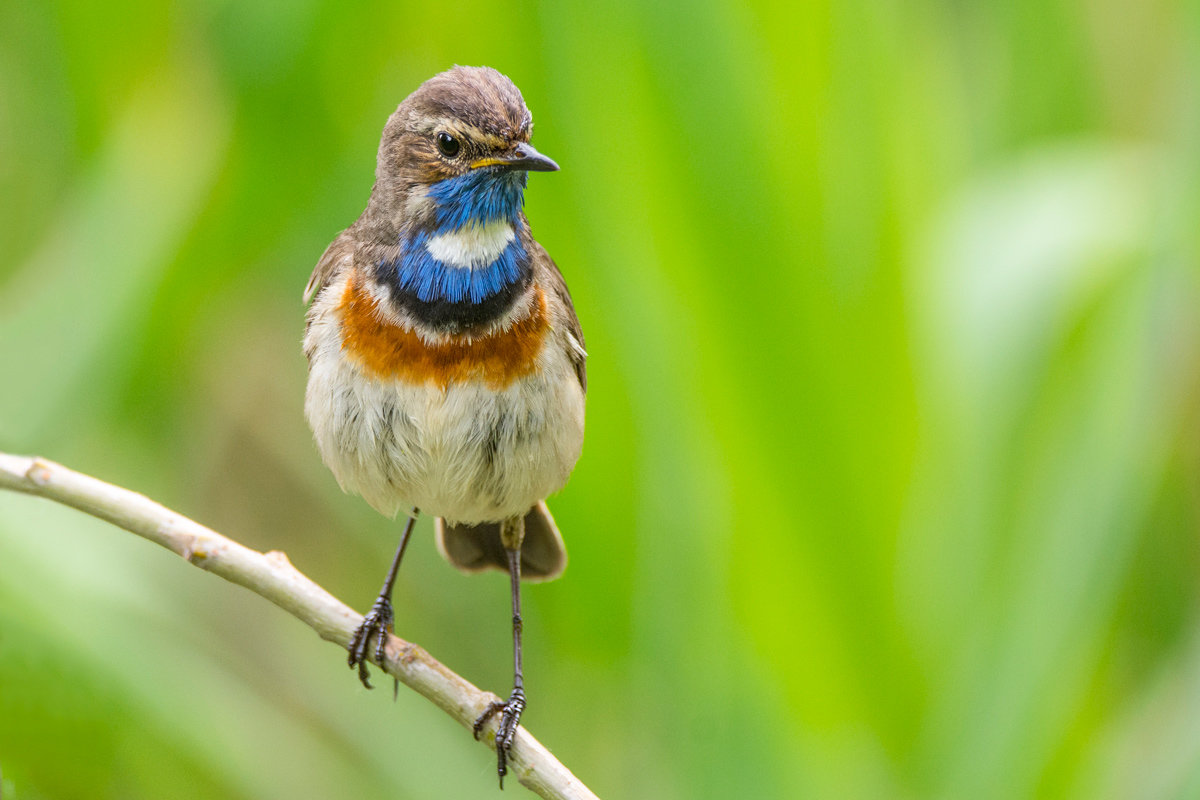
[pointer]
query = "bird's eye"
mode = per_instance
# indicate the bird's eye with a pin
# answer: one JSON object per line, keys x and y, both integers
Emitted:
{"x": 447, "y": 145}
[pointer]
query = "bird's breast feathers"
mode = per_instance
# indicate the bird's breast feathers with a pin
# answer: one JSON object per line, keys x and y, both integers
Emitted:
{"x": 473, "y": 430}
{"x": 384, "y": 350}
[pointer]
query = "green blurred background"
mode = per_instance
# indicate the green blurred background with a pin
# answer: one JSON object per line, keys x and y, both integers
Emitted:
{"x": 892, "y": 480}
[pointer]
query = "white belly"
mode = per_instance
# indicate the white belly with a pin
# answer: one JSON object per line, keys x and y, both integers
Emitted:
{"x": 467, "y": 453}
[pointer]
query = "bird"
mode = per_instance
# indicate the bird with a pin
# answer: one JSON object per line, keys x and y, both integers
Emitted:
{"x": 446, "y": 363}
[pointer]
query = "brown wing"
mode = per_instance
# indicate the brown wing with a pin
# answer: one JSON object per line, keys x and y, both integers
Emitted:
{"x": 336, "y": 258}
{"x": 552, "y": 279}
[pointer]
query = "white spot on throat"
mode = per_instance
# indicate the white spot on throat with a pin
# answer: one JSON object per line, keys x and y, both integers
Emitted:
{"x": 472, "y": 246}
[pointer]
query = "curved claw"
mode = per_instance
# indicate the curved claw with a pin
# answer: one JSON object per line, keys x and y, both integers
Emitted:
{"x": 377, "y": 622}
{"x": 506, "y": 729}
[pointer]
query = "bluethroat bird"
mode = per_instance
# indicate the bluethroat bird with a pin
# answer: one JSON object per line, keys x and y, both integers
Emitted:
{"x": 446, "y": 363}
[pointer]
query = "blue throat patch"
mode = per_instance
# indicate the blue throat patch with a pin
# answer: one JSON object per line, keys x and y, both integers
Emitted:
{"x": 479, "y": 197}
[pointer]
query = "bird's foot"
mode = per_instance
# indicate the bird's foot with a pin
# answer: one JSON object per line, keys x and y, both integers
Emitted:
{"x": 506, "y": 730}
{"x": 377, "y": 622}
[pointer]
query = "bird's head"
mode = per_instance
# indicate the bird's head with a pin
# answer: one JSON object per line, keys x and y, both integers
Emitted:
{"x": 456, "y": 153}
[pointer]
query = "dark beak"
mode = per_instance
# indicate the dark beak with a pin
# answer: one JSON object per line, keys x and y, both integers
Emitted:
{"x": 523, "y": 156}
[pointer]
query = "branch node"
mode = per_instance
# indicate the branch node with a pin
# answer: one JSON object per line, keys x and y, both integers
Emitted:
{"x": 194, "y": 552}
{"x": 38, "y": 472}
{"x": 406, "y": 652}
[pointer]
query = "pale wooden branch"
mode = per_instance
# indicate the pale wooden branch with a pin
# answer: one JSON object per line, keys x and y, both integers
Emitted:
{"x": 272, "y": 576}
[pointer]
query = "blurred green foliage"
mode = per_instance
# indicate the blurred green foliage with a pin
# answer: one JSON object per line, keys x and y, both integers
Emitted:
{"x": 891, "y": 480}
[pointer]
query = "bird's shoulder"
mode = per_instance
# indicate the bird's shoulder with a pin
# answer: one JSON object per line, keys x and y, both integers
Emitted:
{"x": 548, "y": 275}
{"x": 336, "y": 260}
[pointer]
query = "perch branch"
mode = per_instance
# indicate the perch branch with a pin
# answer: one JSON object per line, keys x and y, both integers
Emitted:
{"x": 272, "y": 576}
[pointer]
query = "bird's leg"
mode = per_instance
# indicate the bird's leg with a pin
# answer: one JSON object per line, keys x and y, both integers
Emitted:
{"x": 378, "y": 620}
{"x": 512, "y": 532}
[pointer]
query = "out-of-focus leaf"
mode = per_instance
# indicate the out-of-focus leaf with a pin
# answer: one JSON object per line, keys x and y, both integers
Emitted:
{"x": 63, "y": 313}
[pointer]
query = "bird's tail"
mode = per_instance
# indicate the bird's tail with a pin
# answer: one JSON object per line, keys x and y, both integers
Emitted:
{"x": 474, "y": 548}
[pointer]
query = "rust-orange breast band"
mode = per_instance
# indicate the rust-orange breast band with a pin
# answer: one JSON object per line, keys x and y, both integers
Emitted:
{"x": 388, "y": 351}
